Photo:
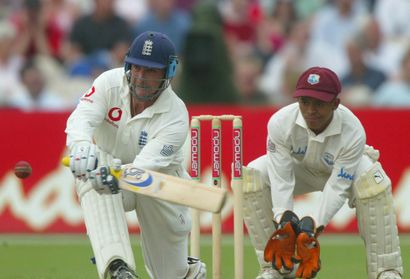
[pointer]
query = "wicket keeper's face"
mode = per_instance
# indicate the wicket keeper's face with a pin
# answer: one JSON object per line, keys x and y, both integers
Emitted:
{"x": 317, "y": 114}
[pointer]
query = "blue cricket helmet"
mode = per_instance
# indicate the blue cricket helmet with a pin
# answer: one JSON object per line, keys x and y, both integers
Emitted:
{"x": 154, "y": 50}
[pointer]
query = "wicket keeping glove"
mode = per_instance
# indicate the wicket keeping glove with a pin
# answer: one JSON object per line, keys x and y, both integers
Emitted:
{"x": 83, "y": 159}
{"x": 308, "y": 249}
{"x": 280, "y": 248}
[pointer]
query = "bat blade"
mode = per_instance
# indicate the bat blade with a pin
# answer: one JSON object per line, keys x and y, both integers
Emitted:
{"x": 168, "y": 188}
{"x": 172, "y": 189}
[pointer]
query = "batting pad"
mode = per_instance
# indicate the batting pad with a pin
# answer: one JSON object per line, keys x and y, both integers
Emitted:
{"x": 107, "y": 229}
{"x": 257, "y": 211}
{"x": 377, "y": 221}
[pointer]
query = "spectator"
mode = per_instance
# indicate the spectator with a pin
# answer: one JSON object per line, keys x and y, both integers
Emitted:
{"x": 34, "y": 94}
{"x": 164, "y": 16}
{"x": 239, "y": 19}
{"x": 361, "y": 81}
{"x": 281, "y": 72}
{"x": 247, "y": 70}
{"x": 131, "y": 10}
{"x": 38, "y": 33}
{"x": 381, "y": 53}
{"x": 10, "y": 62}
{"x": 335, "y": 23}
{"x": 273, "y": 31}
{"x": 207, "y": 74}
{"x": 307, "y": 9}
{"x": 394, "y": 18}
{"x": 396, "y": 92}
{"x": 98, "y": 41}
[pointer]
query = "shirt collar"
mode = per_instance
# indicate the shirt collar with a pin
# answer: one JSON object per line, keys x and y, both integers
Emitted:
{"x": 334, "y": 127}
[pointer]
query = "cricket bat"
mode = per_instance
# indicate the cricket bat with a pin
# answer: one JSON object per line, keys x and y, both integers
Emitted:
{"x": 168, "y": 188}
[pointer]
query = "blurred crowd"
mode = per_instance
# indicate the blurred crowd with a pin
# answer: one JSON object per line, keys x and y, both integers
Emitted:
{"x": 230, "y": 51}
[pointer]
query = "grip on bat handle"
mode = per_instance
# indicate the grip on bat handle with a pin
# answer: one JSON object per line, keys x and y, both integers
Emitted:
{"x": 114, "y": 172}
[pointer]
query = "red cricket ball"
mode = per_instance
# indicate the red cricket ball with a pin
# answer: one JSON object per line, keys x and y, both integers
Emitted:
{"x": 22, "y": 169}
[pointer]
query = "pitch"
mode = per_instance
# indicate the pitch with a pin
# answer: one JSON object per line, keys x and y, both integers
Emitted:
{"x": 68, "y": 257}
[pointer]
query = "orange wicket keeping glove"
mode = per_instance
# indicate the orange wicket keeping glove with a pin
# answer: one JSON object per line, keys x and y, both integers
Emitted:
{"x": 307, "y": 251}
{"x": 281, "y": 245}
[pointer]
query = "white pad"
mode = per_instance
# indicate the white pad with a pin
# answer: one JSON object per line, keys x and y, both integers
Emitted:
{"x": 257, "y": 211}
{"x": 106, "y": 225}
{"x": 377, "y": 221}
{"x": 107, "y": 229}
{"x": 196, "y": 269}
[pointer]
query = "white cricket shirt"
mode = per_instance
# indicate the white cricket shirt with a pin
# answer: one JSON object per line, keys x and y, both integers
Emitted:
{"x": 333, "y": 154}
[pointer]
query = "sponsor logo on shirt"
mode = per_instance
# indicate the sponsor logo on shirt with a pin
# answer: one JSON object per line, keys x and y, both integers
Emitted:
{"x": 142, "y": 141}
{"x": 114, "y": 115}
{"x": 378, "y": 177}
{"x": 167, "y": 150}
{"x": 345, "y": 175}
{"x": 301, "y": 151}
{"x": 87, "y": 95}
{"x": 271, "y": 146}
{"x": 328, "y": 159}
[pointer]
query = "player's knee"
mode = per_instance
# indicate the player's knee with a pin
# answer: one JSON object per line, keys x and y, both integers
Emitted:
{"x": 371, "y": 182}
{"x": 179, "y": 225}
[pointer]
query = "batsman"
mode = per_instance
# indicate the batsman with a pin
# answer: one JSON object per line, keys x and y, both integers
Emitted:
{"x": 317, "y": 144}
{"x": 131, "y": 113}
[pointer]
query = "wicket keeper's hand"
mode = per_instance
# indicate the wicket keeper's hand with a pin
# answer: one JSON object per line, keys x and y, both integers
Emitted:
{"x": 280, "y": 248}
{"x": 103, "y": 181}
{"x": 307, "y": 252}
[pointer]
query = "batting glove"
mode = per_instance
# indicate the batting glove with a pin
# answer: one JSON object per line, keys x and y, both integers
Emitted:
{"x": 83, "y": 159}
{"x": 103, "y": 181}
{"x": 308, "y": 249}
{"x": 280, "y": 248}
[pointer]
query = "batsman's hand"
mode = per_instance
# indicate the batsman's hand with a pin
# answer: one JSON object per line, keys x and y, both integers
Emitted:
{"x": 103, "y": 180}
{"x": 308, "y": 250}
{"x": 83, "y": 159}
{"x": 280, "y": 248}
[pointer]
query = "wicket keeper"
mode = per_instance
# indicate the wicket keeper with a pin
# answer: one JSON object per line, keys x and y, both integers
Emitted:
{"x": 317, "y": 144}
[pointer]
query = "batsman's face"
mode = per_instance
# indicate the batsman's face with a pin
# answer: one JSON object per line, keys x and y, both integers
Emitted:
{"x": 317, "y": 114}
{"x": 146, "y": 81}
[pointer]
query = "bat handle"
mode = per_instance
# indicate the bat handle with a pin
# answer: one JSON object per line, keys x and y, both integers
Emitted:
{"x": 116, "y": 172}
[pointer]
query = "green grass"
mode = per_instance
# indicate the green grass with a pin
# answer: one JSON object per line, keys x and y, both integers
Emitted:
{"x": 67, "y": 257}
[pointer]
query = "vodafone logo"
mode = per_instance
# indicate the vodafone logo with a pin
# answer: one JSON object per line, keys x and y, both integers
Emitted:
{"x": 92, "y": 91}
{"x": 115, "y": 114}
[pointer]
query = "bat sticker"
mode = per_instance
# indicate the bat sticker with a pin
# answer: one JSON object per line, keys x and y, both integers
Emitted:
{"x": 137, "y": 177}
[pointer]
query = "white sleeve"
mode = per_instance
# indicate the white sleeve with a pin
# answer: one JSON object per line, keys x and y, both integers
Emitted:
{"x": 280, "y": 169}
{"x": 164, "y": 149}
{"x": 88, "y": 114}
{"x": 336, "y": 190}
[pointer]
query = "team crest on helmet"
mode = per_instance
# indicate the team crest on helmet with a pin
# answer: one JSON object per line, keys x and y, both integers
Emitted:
{"x": 147, "y": 48}
{"x": 313, "y": 79}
